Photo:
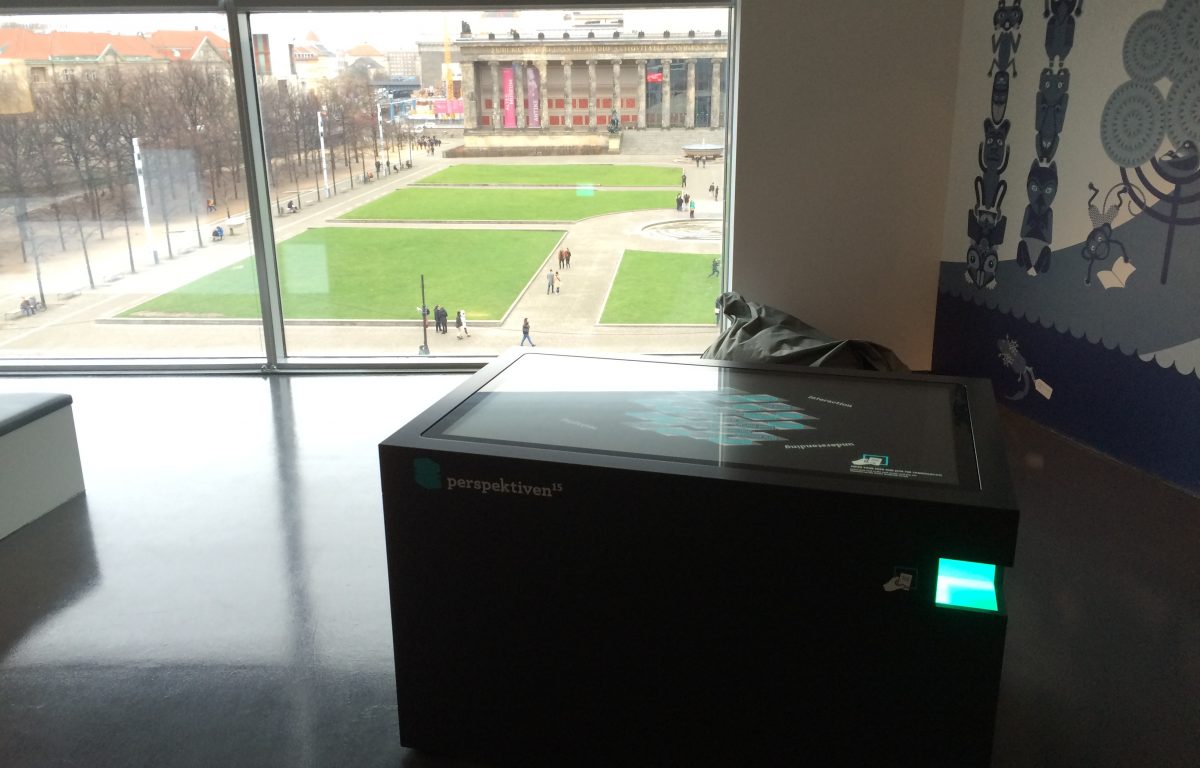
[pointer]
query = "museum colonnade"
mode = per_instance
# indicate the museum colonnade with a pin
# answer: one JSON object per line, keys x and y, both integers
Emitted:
{"x": 516, "y": 92}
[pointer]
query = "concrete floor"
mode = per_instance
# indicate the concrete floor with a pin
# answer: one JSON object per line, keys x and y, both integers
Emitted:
{"x": 219, "y": 597}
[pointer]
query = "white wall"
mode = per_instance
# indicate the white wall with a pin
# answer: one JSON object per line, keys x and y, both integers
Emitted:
{"x": 844, "y": 120}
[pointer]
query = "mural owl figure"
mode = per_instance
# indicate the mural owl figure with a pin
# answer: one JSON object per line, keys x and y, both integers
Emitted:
{"x": 1052, "y": 99}
{"x": 985, "y": 231}
{"x": 1037, "y": 226}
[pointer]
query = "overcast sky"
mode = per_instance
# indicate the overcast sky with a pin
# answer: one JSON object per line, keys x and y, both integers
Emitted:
{"x": 388, "y": 30}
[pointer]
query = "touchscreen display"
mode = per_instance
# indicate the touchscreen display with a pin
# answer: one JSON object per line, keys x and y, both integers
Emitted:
{"x": 900, "y": 431}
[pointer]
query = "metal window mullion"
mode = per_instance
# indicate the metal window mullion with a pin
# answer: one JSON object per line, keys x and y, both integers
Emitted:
{"x": 729, "y": 111}
{"x": 262, "y": 229}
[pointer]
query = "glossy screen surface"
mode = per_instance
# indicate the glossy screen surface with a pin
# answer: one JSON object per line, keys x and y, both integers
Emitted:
{"x": 886, "y": 429}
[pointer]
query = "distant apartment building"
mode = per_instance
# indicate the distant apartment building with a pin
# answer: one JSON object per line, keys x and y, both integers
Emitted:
{"x": 29, "y": 57}
{"x": 403, "y": 64}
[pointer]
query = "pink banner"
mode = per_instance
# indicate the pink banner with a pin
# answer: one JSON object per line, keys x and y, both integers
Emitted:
{"x": 533, "y": 92}
{"x": 510, "y": 99}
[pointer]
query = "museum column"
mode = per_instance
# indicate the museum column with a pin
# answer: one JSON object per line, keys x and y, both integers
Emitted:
{"x": 689, "y": 120}
{"x": 470, "y": 103}
{"x": 494, "y": 71}
{"x": 591, "y": 94}
{"x": 543, "y": 102}
{"x": 519, "y": 88}
{"x": 666, "y": 93}
{"x": 714, "y": 109}
{"x": 641, "y": 94}
{"x": 617, "y": 89}
{"x": 569, "y": 118}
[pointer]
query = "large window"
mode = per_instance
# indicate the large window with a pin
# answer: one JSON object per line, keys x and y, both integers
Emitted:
{"x": 123, "y": 206}
{"x": 419, "y": 184}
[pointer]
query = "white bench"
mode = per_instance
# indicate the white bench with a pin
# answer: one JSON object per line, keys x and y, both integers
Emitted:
{"x": 39, "y": 457}
{"x": 232, "y": 222}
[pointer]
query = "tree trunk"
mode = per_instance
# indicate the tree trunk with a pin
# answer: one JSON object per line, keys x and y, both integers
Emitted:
{"x": 87, "y": 260}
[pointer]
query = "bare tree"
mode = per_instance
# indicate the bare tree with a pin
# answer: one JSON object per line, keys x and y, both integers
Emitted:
{"x": 18, "y": 181}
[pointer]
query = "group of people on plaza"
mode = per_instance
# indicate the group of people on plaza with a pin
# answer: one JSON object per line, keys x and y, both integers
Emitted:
{"x": 441, "y": 320}
{"x": 553, "y": 281}
{"x": 31, "y": 305}
{"x": 429, "y": 144}
{"x": 684, "y": 202}
{"x": 564, "y": 258}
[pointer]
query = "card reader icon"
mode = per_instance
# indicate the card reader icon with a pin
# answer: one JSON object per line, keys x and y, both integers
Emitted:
{"x": 871, "y": 460}
{"x": 903, "y": 579}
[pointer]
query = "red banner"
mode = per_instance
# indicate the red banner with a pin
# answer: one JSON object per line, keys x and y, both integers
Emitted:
{"x": 510, "y": 97}
{"x": 654, "y": 77}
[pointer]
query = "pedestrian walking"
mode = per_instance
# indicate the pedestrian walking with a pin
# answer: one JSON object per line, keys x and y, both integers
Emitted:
{"x": 686, "y": 198}
{"x": 562, "y": 257}
{"x": 525, "y": 334}
{"x": 557, "y": 283}
{"x": 703, "y": 162}
{"x": 684, "y": 180}
{"x": 549, "y": 281}
{"x": 692, "y": 210}
{"x": 460, "y": 322}
{"x": 716, "y": 268}
{"x": 712, "y": 189}
{"x": 679, "y": 202}
{"x": 568, "y": 255}
{"x": 716, "y": 192}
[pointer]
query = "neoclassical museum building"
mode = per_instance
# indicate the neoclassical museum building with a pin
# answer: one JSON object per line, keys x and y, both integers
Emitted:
{"x": 564, "y": 90}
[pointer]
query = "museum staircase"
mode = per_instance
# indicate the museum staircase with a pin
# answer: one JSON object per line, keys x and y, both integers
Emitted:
{"x": 655, "y": 141}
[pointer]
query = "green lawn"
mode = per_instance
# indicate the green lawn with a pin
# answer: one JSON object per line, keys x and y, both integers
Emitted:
{"x": 433, "y": 204}
{"x": 559, "y": 175}
{"x": 662, "y": 288}
{"x": 342, "y": 273}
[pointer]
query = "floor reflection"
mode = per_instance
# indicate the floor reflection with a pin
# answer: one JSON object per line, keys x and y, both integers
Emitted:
{"x": 50, "y": 564}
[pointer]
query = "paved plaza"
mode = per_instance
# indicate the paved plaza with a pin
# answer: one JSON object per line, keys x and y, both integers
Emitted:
{"x": 82, "y": 322}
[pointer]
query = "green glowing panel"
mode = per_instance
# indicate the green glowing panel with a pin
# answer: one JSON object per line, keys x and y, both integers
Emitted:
{"x": 963, "y": 584}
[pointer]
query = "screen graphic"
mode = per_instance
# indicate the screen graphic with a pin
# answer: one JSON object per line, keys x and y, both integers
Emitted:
{"x": 896, "y": 430}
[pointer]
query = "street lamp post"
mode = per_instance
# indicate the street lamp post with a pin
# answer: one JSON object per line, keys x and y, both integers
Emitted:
{"x": 379, "y": 124}
{"x": 424, "y": 349}
{"x": 141, "y": 177}
{"x": 324, "y": 167}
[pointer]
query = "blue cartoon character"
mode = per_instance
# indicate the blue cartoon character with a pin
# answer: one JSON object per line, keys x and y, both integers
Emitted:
{"x": 993, "y": 161}
{"x": 1037, "y": 227}
{"x": 1052, "y": 99}
{"x": 1006, "y": 38}
{"x": 985, "y": 229}
{"x": 1060, "y": 29}
{"x": 1011, "y": 357}
{"x": 1100, "y": 240}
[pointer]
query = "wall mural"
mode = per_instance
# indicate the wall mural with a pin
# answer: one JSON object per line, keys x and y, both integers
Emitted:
{"x": 1112, "y": 319}
{"x": 986, "y": 221}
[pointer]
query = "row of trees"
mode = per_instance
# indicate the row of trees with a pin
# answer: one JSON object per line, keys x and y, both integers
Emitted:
{"x": 67, "y": 170}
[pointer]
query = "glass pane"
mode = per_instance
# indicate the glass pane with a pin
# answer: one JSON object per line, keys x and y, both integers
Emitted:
{"x": 123, "y": 227}
{"x": 443, "y": 162}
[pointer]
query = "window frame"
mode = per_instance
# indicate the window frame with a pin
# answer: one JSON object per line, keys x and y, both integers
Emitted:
{"x": 237, "y": 13}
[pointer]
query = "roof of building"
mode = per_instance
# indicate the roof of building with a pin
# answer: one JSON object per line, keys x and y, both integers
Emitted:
{"x": 365, "y": 50}
{"x": 21, "y": 43}
{"x": 187, "y": 43}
